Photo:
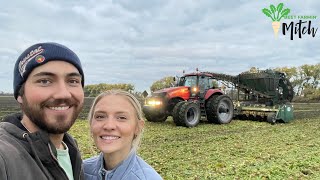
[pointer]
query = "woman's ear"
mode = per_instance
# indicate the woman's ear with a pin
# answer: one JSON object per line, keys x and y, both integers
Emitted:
{"x": 140, "y": 126}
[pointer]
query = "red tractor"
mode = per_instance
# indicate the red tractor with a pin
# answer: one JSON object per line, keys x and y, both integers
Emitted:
{"x": 193, "y": 97}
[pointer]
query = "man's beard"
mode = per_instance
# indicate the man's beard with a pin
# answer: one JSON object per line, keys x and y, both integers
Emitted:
{"x": 36, "y": 114}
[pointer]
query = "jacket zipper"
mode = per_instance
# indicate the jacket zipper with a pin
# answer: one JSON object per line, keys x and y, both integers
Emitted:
{"x": 54, "y": 157}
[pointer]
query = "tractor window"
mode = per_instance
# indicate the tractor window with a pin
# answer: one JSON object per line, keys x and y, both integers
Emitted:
{"x": 188, "y": 81}
{"x": 204, "y": 83}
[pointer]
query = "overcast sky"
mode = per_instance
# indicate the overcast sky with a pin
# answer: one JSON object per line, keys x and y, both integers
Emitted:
{"x": 141, "y": 41}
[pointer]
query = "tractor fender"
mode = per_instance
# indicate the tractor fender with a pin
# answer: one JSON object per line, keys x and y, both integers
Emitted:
{"x": 211, "y": 92}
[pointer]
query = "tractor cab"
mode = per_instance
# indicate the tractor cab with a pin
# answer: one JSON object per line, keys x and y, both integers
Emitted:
{"x": 199, "y": 83}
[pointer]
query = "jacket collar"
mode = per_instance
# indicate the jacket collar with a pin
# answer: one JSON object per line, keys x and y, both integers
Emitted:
{"x": 120, "y": 170}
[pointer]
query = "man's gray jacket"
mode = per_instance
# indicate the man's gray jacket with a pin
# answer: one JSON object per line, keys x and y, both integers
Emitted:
{"x": 32, "y": 156}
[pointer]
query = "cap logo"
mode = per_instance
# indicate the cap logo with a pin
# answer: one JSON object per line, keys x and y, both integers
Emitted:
{"x": 40, "y": 59}
{"x": 23, "y": 64}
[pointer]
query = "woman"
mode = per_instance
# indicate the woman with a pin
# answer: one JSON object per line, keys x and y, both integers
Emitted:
{"x": 116, "y": 125}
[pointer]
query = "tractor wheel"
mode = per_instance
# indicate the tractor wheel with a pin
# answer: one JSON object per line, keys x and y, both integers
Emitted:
{"x": 220, "y": 109}
{"x": 175, "y": 113}
{"x": 172, "y": 103}
{"x": 188, "y": 114}
{"x": 209, "y": 108}
{"x": 154, "y": 118}
{"x": 271, "y": 118}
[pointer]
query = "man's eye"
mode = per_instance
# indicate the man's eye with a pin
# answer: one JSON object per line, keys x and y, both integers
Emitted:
{"x": 44, "y": 81}
{"x": 74, "y": 81}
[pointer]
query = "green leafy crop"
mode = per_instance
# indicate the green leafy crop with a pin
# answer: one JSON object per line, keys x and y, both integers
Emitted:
{"x": 276, "y": 13}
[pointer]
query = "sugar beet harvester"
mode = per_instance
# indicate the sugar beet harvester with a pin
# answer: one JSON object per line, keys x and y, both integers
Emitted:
{"x": 263, "y": 95}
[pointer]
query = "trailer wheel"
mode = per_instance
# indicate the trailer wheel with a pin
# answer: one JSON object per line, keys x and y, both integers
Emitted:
{"x": 220, "y": 109}
{"x": 156, "y": 118}
{"x": 188, "y": 114}
{"x": 271, "y": 118}
{"x": 175, "y": 113}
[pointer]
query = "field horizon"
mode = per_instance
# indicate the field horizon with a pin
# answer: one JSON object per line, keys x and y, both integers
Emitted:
{"x": 242, "y": 149}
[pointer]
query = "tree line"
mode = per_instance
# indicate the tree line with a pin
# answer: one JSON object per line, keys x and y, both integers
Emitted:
{"x": 305, "y": 80}
{"x": 95, "y": 89}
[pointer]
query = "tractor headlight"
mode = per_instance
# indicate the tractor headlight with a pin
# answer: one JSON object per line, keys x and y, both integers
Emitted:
{"x": 153, "y": 102}
{"x": 194, "y": 90}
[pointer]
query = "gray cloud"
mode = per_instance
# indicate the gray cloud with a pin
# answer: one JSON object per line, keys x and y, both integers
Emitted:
{"x": 138, "y": 42}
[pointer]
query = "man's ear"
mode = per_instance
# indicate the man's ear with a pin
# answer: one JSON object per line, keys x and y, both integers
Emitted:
{"x": 19, "y": 99}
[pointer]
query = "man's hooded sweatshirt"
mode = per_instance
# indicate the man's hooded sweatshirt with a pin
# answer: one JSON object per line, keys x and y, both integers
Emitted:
{"x": 30, "y": 156}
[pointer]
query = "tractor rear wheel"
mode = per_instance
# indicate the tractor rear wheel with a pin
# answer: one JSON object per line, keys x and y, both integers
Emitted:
{"x": 156, "y": 118}
{"x": 220, "y": 109}
{"x": 188, "y": 114}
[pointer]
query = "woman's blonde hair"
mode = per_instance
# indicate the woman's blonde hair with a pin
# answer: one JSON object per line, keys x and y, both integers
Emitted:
{"x": 133, "y": 101}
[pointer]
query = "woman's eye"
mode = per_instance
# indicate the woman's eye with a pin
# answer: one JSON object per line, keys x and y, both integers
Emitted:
{"x": 99, "y": 117}
{"x": 122, "y": 117}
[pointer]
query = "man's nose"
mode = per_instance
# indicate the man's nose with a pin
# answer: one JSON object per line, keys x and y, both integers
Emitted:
{"x": 62, "y": 91}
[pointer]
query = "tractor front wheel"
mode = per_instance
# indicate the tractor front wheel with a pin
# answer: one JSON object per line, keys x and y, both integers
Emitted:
{"x": 175, "y": 113}
{"x": 187, "y": 114}
{"x": 156, "y": 118}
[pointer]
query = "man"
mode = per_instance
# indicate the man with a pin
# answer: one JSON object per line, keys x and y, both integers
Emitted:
{"x": 48, "y": 85}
